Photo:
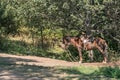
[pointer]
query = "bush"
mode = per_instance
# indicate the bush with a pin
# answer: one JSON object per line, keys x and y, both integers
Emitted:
{"x": 113, "y": 72}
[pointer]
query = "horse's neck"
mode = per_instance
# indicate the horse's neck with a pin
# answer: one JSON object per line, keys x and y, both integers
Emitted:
{"x": 75, "y": 43}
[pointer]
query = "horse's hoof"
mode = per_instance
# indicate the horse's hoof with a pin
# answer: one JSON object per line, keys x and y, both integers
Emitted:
{"x": 104, "y": 62}
{"x": 80, "y": 62}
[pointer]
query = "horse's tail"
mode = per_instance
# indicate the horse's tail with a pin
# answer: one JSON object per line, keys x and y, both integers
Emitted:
{"x": 106, "y": 50}
{"x": 103, "y": 47}
{"x": 102, "y": 43}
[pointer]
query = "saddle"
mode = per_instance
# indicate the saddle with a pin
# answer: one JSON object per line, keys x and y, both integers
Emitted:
{"x": 87, "y": 41}
{"x": 91, "y": 39}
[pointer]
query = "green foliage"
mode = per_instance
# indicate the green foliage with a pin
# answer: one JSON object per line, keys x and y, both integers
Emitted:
{"x": 95, "y": 72}
{"x": 111, "y": 72}
{"x": 14, "y": 47}
{"x": 46, "y": 21}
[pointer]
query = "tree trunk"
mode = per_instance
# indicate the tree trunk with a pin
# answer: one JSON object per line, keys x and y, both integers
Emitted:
{"x": 41, "y": 34}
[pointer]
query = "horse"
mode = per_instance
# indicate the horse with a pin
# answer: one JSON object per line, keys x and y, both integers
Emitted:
{"x": 83, "y": 43}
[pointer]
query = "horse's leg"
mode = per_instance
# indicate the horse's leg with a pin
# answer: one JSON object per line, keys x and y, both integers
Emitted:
{"x": 103, "y": 53}
{"x": 90, "y": 55}
{"x": 80, "y": 54}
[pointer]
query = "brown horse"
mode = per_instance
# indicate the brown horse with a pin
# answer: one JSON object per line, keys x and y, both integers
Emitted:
{"x": 84, "y": 43}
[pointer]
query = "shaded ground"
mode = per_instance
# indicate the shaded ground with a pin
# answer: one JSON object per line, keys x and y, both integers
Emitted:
{"x": 14, "y": 67}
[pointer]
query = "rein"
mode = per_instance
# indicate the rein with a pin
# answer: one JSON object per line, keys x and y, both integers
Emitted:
{"x": 73, "y": 59}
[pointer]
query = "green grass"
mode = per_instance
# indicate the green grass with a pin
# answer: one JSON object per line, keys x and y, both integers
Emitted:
{"x": 95, "y": 73}
{"x": 81, "y": 70}
{"x": 22, "y": 48}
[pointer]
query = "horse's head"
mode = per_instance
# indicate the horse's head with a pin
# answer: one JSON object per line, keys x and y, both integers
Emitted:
{"x": 65, "y": 42}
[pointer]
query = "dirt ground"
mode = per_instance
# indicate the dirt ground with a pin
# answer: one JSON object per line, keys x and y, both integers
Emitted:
{"x": 39, "y": 68}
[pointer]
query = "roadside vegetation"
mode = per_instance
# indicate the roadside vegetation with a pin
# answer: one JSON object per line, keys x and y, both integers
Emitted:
{"x": 35, "y": 27}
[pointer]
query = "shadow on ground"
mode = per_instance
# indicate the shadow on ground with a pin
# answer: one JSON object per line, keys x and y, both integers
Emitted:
{"x": 13, "y": 60}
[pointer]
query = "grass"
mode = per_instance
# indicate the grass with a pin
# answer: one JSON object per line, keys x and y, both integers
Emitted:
{"x": 19, "y": 47}
{"x": 80, "y": 70}
{"x": 95, "y": 73}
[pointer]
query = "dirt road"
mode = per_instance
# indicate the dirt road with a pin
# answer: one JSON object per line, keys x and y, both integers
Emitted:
{"x": 48, "y": 62}
{"x": 14, "y": 67}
